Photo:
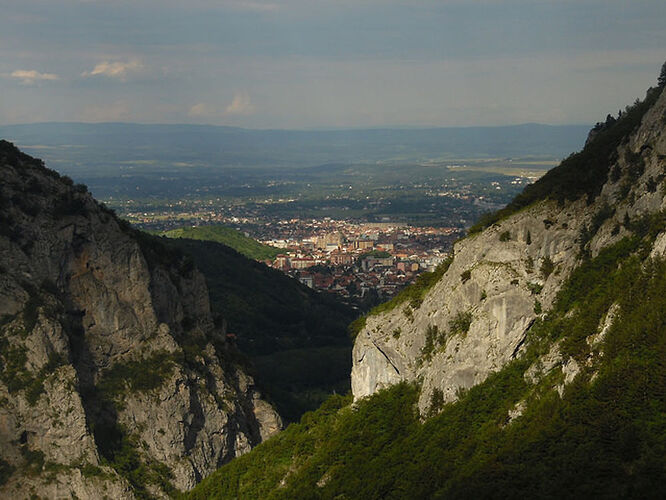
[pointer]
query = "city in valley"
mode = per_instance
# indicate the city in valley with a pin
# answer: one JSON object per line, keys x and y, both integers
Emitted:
{"x": 365, "y": 263}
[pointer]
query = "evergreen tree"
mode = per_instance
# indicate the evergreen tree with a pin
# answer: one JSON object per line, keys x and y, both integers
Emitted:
{"x": 662, "y": 76}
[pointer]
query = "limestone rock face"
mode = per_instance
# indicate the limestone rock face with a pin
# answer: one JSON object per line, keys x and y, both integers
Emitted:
{"x": 476, "y": 317}
{"x": 108, "y": 352}
{"x": 495, "y": 286}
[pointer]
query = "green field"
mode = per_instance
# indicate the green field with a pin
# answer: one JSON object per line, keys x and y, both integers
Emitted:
{"x": 227, "y": 236}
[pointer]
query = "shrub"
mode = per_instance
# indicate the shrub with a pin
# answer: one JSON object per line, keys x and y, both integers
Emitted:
{"x": 433, "y": 341}
{"x": 529, "y": 265}
{"x": 356, "y": 326}
{"x": 460, "y": 323}
{"x": 436, "y": 401}
{"x": 505, "y": 236}
{"x": 537, "y": 307}
{"x": 31, "y": 310}
{"x": 547, "y": 267}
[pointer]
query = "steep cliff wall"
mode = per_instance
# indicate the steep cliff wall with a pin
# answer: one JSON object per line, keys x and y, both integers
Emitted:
{"x": 115, "y": 379}
{"x": 477, "y": 316}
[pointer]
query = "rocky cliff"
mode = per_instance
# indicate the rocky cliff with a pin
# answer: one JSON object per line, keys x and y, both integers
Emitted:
{"x": 115, "y": 379}
{"x": 476, "y": 318}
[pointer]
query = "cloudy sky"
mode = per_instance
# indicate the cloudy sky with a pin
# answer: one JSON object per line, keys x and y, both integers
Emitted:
{"x": 327, "y": 63}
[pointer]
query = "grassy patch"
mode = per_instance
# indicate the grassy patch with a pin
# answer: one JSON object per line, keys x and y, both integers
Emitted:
{"x": 137, "y": 469}
{"x": 227, "y": 236}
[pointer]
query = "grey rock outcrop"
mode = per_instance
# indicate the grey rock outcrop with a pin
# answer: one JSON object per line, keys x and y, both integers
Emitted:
{"x": 476, "y": 318}
{"x": 496, "y": 286}
{"x": 108, "y": 351}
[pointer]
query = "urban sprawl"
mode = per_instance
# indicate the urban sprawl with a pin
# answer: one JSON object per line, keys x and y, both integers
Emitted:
{"x": 364, "y": 263}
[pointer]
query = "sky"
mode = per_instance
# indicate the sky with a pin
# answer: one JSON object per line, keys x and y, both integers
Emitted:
{"x": 303, "y": 64}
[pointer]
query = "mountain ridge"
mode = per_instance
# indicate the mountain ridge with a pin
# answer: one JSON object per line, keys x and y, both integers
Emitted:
{"x": 116, "y": 379}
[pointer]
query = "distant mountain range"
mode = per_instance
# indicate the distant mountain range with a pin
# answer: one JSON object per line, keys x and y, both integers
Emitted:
{"x": 229, "y": 145}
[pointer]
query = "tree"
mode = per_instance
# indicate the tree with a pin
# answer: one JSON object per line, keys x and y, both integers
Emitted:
{"x": 662, "y": 76}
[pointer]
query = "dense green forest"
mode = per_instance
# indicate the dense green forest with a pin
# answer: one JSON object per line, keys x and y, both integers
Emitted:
{"x": 295, "y": 337}
{"x": 604, "y": 437}
{"x": 245, "y": 245}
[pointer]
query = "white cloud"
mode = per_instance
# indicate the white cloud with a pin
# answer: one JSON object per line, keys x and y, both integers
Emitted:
{"x": 200, "y": 110}
{"x": 241, "y": 105}
{"x": 28, "y": 77}
{"x": 115, "y": 69}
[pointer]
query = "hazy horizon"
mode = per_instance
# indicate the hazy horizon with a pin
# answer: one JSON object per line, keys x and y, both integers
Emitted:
{"x": 396, "y": 127}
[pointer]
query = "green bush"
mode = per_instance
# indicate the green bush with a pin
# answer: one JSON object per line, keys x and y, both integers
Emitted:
{"x": 537, "y": 307}
{"x": 547, "y": 267}
{"x": 433, "y": 341}
{"x": 460, "y": 323}
{"x": 356, "y": 326}
{"x": 31, "y": 310}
